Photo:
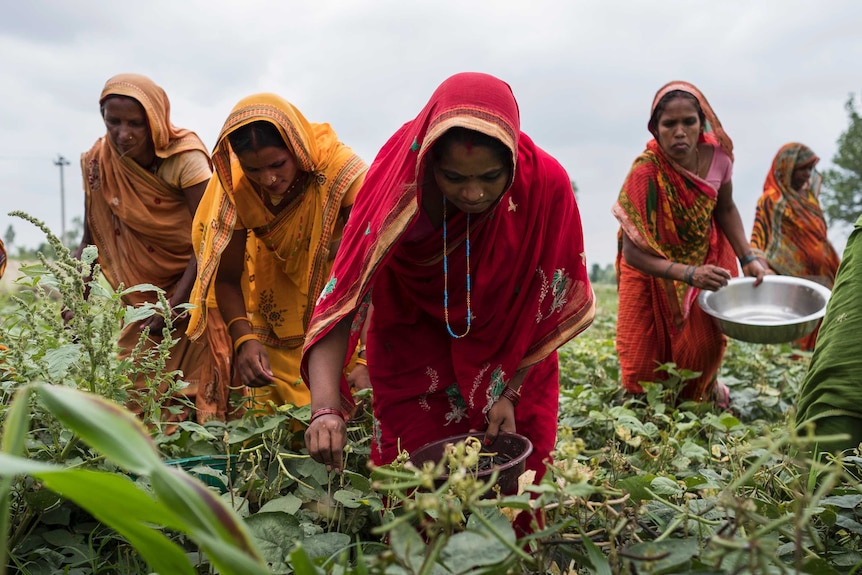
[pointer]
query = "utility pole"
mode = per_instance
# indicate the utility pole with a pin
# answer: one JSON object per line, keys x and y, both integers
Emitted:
{"x": 61, "y": 161}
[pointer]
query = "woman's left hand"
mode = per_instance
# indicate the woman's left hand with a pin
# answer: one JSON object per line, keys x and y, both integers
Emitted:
{"x": 501, "y": 417}
{"x": 358, "y": 378}
{"x": 757, "y": 270}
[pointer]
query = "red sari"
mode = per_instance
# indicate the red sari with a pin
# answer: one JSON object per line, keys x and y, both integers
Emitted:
{"x": 667, "y": 211}
{"x": 530, "y": 292}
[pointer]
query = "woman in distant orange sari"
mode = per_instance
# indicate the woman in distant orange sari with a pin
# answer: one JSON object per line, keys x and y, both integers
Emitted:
{"x": 790, "y": 233}
{"x": 143, "y": 181}
{"x": 680, "y": 232}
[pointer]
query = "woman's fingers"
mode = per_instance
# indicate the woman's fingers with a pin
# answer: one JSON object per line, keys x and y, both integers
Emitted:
{"x": 325, "y": 439}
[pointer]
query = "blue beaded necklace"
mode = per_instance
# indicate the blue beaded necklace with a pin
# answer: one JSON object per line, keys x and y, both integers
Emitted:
{"x": 446, "y": 277}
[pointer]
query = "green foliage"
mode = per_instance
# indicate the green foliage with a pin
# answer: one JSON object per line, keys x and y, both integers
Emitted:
{"x": 639, "y": 484}
{"x": 842, "y": 198}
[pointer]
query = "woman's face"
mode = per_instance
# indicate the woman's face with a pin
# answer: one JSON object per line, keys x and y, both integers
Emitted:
{"x": 271, "y": 167}
{"x": 800, "y": 177}
{"x": 679, "y": 129}
{"x": 471, "y": 177}
{"x": 128, "y": 128}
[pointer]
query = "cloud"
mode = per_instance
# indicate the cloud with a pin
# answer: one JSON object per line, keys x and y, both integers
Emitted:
{"x": 584, "y": 74}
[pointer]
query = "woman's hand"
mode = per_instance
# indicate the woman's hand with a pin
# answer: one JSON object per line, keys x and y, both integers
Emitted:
{"x": 758, "y": 270}
{"x": 358, "y": 378}
{"x": 710, "y": 277}
{"x": 325, "y": 438}
{"x": 252, "y": 364}
{"x": 501, "y": 417}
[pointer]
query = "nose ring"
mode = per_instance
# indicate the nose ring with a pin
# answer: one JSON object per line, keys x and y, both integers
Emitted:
{"x": 273, "y": 179}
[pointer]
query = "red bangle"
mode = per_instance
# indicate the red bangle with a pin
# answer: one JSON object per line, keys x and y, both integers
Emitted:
{"x": 512, "y": 395}
{"x": 325, "y": 411}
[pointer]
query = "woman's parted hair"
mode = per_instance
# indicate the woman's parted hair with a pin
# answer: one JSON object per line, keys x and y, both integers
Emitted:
{"x": 256, "y": 135}
{"x": 471, "y": 138}
{"x": 665, "y": 100}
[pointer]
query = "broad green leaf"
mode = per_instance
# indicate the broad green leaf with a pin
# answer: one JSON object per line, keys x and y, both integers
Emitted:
{"x": 230, "y": 559}
{"x": 289, "y": 504}
{"x": 348, "y": 498}
{"x": 358, "y": 481}
{"x": 141, "y": 288}
{"x": 476, "y": 547}
{"x": 637, "y": 485}
{"x": 59, "y": 359}
{"x": 137, "y": 313}
{"x": 201, "y": 510}
{"x": 89, "y": 254}
{"x": 276, "y": 535}
{"x": 842, "y": 501}
{"x": 325, "y": 544}
{"x": 665, "y": 486}
{"x": 407, "y": 546}
{"x": 106, "y": 427}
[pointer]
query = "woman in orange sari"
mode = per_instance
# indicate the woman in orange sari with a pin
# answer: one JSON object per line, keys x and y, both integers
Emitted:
{"x": 143, "y": 181}
{"x": 266, "y": 233}
{"x": 790, "y": 233}
{"x": 466, "y": 237}
{"x": 679, "y": 232}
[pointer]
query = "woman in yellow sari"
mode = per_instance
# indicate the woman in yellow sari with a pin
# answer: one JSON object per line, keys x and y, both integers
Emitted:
{"x": 266, "y": 233}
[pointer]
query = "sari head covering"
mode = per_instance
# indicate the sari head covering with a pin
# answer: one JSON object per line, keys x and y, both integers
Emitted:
{"x": 667, "y": 211}
{"x": 2, "y": 258}
{"x": 231, "y": 200}
{"x": 529, "y": 289}
{"x": 790, "y": 231}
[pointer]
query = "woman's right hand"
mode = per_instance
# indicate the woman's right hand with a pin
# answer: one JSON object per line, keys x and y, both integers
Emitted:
{"x": 710, "y": 277}
{"x": 252, "y": 364}
{"x": 325, "y": 438}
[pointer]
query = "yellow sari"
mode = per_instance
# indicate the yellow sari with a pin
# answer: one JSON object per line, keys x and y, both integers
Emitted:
{"x": 288, "y": 255}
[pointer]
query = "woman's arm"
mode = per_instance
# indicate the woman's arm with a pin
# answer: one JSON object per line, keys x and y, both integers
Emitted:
{"x": 707, "y": 276}
{"x": 327, "y": 434}
{"x": 252, "y": 361}
{"x": 183, "y": 289}
{"x": 727, "y": 216}
{"x": 501, "y": 416}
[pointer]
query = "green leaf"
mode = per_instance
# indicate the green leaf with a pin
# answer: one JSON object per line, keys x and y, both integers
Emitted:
{"x": 357, "y": 481}
{"x": 348, "y": 498}
{"x": 665, "y": 486}
{"x": 275, "y": 534}
{"x": 59, "y": 359}
{"x": 104, "y": 426}
{"x": 302, "y": 564}
{"x": 14, "y": 440}
{"x": 474, "y": 548}
{"x": 289, "y": 504}
{"x": 637, "y": 485}
{"x": 324, "y": 545}
{"x": 675, "y": 555}
{"x": 137, "y": 313}
{"x": 843, "y": 501}
{"x": 600, "y": 564}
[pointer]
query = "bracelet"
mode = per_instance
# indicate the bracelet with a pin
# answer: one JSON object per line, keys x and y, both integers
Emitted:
{"x": 236, "y": 319}
{"x": 664, "y": 275}
{"x": 242, "y": 339}
{"x": 360, "y": 353}
{"x": 512, "y": 395}
{"x": 688, "y": 275}
{"x": 325, "y": 411}
{"x": 747, "y": 259}
{"x": 361, "y": 361}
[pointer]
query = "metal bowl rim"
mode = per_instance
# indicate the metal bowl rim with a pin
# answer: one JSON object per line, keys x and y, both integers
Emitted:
{"x": 825, "y": 292}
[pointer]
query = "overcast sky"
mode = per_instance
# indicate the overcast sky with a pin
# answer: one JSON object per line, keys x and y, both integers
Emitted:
{"x": 584, "y": 74}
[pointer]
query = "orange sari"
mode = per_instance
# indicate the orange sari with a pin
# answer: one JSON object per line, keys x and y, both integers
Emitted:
{"x": 142, "y": 229}
{"x": 790, "y": 231}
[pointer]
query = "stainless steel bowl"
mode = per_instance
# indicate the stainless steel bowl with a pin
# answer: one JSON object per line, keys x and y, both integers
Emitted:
{"x": 781, "y": 309}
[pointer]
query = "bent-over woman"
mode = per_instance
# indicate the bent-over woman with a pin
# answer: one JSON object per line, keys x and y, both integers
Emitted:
{"x": 267, "y": 231}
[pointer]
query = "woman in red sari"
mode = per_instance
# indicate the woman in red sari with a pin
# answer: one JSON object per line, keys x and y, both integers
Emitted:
{"x": 790, "y": 233}
{"x": 679, "y": 232}
{"x": 469, "y": 235}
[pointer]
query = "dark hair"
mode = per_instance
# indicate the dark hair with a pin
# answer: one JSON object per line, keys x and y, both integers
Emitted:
{"x": 666, "y": 99}
{"x": 256, "y": 135}
{"x": 118, "y": 96}
{"x": 471, "y": 138}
